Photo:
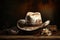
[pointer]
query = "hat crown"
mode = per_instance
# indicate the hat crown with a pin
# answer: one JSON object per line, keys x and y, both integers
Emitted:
{"x": 33, "y": 18}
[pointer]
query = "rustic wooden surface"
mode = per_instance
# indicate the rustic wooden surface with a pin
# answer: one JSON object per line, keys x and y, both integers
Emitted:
{"x": 17, "y": 36}
{"x": 55, "y": 35}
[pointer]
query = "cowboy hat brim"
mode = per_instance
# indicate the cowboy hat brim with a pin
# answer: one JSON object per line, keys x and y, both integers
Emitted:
{"x": 31, "y": 28}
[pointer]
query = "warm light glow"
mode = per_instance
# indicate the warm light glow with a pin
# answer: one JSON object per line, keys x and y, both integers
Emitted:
{"x": 47, "y": 9}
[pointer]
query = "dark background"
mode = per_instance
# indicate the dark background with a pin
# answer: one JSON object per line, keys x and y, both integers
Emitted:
{"x": 13, "y": 10}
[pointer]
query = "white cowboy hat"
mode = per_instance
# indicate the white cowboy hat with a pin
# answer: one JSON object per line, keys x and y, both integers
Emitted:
{"x": 30, "y": 20}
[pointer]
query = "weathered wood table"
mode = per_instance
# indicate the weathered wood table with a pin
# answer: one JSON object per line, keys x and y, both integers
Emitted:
{"x": 55, "y": 35}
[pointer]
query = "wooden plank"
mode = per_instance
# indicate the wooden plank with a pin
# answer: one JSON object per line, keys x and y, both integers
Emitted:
{"x": 15, "y": 37}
